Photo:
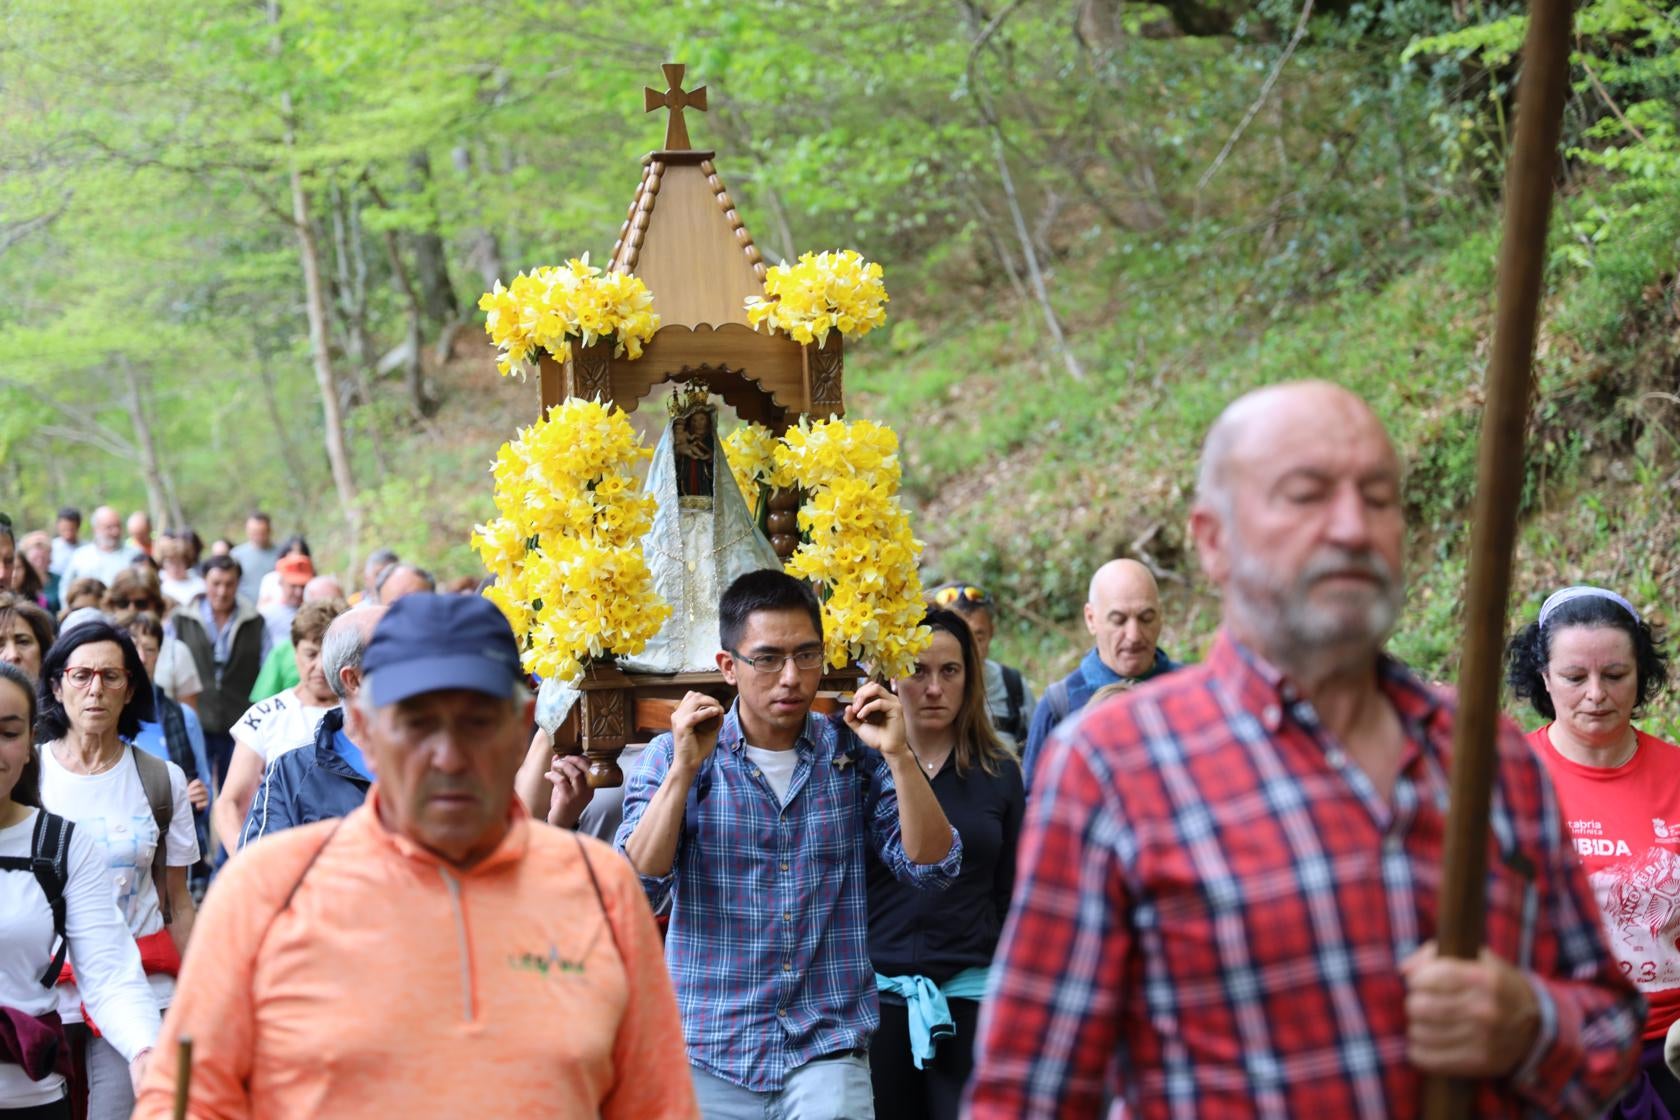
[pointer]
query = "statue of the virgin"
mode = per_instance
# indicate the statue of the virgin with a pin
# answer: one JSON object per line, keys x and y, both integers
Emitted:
{"x": 703, "y": 537}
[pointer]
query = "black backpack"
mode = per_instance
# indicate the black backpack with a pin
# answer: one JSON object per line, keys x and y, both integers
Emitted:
{"x": 49, "y": 859}
{"x": 1015, "y": 694}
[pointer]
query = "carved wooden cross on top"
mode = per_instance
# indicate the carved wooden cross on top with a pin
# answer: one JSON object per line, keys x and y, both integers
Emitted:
{"x": 675, "y": 99}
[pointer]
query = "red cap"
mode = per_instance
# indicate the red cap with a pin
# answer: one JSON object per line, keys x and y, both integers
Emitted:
{"x": 296, "y": 570}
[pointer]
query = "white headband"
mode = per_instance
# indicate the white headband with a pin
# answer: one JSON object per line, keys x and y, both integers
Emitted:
{"x": 1583, "y": 591}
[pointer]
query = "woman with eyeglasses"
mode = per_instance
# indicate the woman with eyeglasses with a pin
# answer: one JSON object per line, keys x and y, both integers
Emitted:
{"x": 94, "y": 937}
{"x": 92, "y": 696}
{"x": 931, "y": 949}
{"x": 1009, "y": 698}
{"x": 134, "y": 590}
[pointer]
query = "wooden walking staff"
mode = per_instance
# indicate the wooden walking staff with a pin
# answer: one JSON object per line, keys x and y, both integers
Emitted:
{"x": 183, "y": 1077}
{"x": 1499, "y": 479}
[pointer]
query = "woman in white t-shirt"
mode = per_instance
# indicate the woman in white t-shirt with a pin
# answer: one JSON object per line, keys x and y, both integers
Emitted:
{"x": 93, "y": 695}
{"x": 270, "y": 728}
{"x": 100, "y": 948}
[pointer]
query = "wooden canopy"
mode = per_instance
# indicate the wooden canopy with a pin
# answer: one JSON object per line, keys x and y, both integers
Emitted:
{"x": 685, "y": 239}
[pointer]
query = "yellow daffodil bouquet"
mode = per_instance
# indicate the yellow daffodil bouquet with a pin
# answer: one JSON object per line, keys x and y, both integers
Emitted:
{"x": 833, "y": 291}
{"x": 566, "y": 549}
{"x": 858, "y": 545}
{"x": 751, "y": 452}
{"x": 547, "y": 308}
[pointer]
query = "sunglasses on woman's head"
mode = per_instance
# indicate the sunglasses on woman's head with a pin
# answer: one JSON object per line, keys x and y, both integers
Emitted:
{"x": 967, "y": 592}
{"x": 137, "y": 604}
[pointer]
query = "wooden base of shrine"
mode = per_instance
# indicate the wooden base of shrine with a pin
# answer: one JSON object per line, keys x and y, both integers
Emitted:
{"x": 619, "y": 708}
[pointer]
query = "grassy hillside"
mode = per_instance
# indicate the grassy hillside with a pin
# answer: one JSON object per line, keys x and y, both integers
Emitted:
{"x": 1026, "y": 480}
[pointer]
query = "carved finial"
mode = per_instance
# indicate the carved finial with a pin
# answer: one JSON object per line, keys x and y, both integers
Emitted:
{"x": 676, "y": 99}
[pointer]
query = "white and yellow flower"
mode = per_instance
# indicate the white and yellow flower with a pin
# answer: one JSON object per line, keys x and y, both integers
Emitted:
{"x": 566, "y": 548}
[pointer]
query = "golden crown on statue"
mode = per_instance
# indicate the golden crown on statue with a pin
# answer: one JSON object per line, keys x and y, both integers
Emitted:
{"x": 687, "y": 400}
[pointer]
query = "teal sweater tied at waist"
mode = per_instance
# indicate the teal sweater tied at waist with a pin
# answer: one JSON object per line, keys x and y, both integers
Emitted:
{"x": 930, "y": 1014}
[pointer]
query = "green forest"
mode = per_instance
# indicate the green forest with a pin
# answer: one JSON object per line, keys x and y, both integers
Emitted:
{"x": 242, "y": 245}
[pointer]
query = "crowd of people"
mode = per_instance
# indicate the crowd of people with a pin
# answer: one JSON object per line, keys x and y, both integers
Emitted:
{"x": 1159, "y": 889}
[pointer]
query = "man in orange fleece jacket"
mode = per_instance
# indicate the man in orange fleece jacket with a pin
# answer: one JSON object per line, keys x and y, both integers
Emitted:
{"x": 436, "y": 952}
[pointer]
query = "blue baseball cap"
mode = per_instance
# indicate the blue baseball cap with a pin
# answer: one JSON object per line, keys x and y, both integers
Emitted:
{"x": 429, "y": 643}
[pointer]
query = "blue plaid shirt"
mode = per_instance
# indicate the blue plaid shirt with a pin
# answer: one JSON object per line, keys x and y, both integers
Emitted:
{"x": 769, "y": 940}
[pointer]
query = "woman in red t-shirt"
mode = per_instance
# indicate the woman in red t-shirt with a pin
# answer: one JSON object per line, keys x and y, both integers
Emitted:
{"x": 1588, "y": 664}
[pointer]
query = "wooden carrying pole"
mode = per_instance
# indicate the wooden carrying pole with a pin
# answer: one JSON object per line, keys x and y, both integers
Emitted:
{"x": 1499, "y": 480}
{"x": 183, "y": 1076}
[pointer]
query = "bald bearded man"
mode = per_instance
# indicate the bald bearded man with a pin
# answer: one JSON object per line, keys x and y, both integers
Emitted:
{"x": 1229, "y": 882}
{"x": 1123, "y": 614}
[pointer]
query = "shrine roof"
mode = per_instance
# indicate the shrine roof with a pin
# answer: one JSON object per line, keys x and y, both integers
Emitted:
{"x": 683, "y": 236}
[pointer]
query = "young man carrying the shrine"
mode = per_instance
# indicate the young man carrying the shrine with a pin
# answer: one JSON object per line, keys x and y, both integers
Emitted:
{"x": 1229, "y": 879}
{"x": 751, "y": 824}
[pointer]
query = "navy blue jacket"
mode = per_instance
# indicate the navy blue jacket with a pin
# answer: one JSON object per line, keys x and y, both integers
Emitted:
{"x": 1072, "y": 693}
{"x": 311, "y": 783}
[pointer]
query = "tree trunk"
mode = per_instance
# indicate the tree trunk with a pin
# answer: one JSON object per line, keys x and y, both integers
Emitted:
{"x": 315, "y": 304}
{"x": 484, "y": 250}
{"x": 163, "y": 510}
{"x": 351, "y": 276}
{"x": 988, "y": 229}
{"x": 1035, "y": 273}
{"x": 988, "y": 113}
{"x": 326, "y": 377}
{"x": 351, "y": 268}
{"x": 288, "y": 452}
{"x": 420, "y": 399}
{"x": 437, "y": 294}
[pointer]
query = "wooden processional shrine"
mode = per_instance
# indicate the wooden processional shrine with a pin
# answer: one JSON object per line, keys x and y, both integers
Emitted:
{"x": 684, "y": 238}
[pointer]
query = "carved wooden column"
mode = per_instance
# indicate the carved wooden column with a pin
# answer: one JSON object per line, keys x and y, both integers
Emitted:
{"x": 604, "y": 722}
{"x": 551, "y": 376}
{"x": 825, "y": 368}
{"x": 783, "y": 521}
{"x": 589, "y": 372}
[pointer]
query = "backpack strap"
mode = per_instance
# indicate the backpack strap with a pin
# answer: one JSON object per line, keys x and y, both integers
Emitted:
{"x": 1015, "y": 692}
{"x": 175, "y": 736}
{"x": 51, "y": 856}
{"x": 1057, "y": 695}
{"x": 154, "y": 779}
{"x": 49, "y": 861}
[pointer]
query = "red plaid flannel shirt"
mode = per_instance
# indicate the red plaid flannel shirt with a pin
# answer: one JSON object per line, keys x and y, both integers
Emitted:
{"x": 1212, "y": 903}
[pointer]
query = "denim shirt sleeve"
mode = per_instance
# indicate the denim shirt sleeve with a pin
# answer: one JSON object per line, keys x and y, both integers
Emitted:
{"x": 639, "y": 789}
{"x": 887, "y": 837}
